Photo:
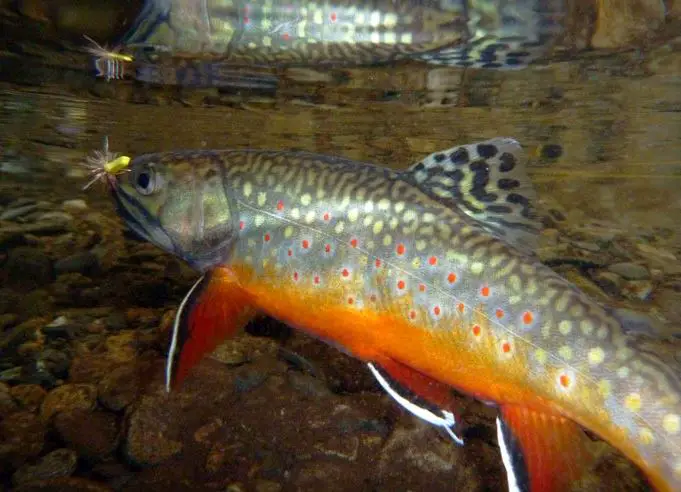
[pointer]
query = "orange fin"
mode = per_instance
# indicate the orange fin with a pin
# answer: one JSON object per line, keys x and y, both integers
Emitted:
{"x": 215, "y": 308}
{"x": 419, "y": 394}
{"x": 542, "y": 451}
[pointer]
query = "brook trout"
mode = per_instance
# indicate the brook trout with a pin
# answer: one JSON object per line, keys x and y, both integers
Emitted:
{"x": 220, "y": 33}
{"x": 428, "y": 276}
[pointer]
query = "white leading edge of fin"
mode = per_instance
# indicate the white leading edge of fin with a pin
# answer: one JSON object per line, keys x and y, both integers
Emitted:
{"x": 447, "y": 421}
{"x": 176, "y": 327}
{"x": 506, "y": 458}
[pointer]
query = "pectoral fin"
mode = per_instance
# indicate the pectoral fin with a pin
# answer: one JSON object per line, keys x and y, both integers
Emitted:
{"x": 541, "y": 451}
{"x": 420, "y": 395}
{"x": 215, "y": 308}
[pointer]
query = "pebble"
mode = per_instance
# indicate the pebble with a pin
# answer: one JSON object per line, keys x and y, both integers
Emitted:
{"x": 119, "y": 387}
{"x": 64, "y": 484}
{"x": 27, "y": 268}
{"x": 637, "y": 289}
{"x": 630, "y": 271}
{"x": 7, "y": 404}
{"x": 93, "y": 435}
{"x": 28, "y": 396}
{"x": 67, "y": 398}
{"x": 22, "y": 437}
{"x": 74, "y": 205}
{"x": 15, "y": 213}
{"x": 147, "y": 441}
{"x": 85, "y": 263}
{"x": 59, "y": 463}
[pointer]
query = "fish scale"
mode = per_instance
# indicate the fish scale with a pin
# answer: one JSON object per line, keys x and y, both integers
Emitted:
{"x": 390, "y": 267}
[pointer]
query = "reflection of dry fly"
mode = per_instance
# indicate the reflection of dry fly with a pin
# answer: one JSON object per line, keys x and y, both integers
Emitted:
{"x": 109, "y": 63}
{"x": 104, "y": 164}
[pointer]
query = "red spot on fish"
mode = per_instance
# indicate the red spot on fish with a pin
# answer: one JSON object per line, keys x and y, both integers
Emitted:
{"x": 436, "y": 310}
{"x": 422, "y": 287}
{"x": 460, "y": 307}
{"x": 412, "y": 314}
{"x": 333, "y": 17}
{"x": 327, "y": 216}
{"x": 401, "y": 285}
{"x": 327, "y": 248}
{"x": 290, "y": 252}
{"x": 247, "y": 21}
{"x": 280, "y": 205}
{"x": 451, "y": 278}
{"x": 286, "y": 36}
{"x": 528, "y": 317}
{"x": 295, "y": 276}
{"x": 267, "y": 238}
{"x": 499, "y": 313}
{"x": 378, "y": 263}
{"x": 564, "y": 380}
{"x": 306, "y": 244}
{"x": 351, "y": 300}
{"x": 345, "y": 272}
{"x": 506, "y": 347}
{"x": 400, "y": 249}
{"x": 432, "y": 261}
{"x": 353, "y": 242}
{"x": 241, "y": 225}
{"x": 476, "y": 330}
{"x": 484, "y": 292}
{"x": 316, "y": 280}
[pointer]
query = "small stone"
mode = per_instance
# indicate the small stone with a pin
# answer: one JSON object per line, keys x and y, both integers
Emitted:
{"x": 67, "y": 398}
{"x": 611, "y": 283}
{"x": 119, "y": 387}
{"x": 55, "y": 217}
{"x": 22, "y": 437}
{"x": 28, "y": 268}
{"x": 147, "y": 442}
{"x": 638, "y": 289}
{"x": 59, "y": 463}
{"x": 85, "y": 263}
{"x": 267, "y": 486}
{"x": 28, "y": 396}
{"x": 588, "y": 246}
{"x": 74, "y": 205}
{"x": 54, "y": 362}
{"x": 15, "y": 213}
{"x": 93, "y": 435}
{"x": 630, "y": 271}
{"x": 7, "y": 404}
{"x": 64, "y": 484}
{"x": 26, "y": 331}
{"x": 38, "y": 302}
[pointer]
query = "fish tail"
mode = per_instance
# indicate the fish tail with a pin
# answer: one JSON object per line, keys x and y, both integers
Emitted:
{"x": 504, "y": 35}
{"x": 204, "y": 75}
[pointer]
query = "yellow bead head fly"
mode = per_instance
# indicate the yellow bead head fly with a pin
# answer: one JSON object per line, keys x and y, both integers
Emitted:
{"x": 104, "y": 164}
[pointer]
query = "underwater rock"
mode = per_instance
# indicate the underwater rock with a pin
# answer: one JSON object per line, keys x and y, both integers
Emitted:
{"x": 329, "y": 476}
{"x": 59, "y": 463}
{"x": 630, "y": 271}
{"x": 148, "y": 440}
{"x": 67, "y": 398}
{"x": 17, "y": 212}
{"x": 75, "y": 205}
{"x": 120, "y": 387}
{"x": 63, "y": 484}
{"x": 85, "y": 263}
{"x": 28, "y": 396}
{"x": 611, "y": 283}
{"x": 93, "y": 435}
{"x": 27, "y": 268}
{"x": 7, "y": 404}
{"x": 22, "y": 437}
{"x": 639, "y": 290}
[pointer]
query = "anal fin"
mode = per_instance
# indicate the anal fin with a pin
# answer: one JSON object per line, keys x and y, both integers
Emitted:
{"x": 542, "y": 451}
{"x": 215, "y": 308}
{"x": 420, "y": 395}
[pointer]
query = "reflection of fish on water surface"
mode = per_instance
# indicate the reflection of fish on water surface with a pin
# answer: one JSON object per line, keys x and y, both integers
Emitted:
{"x": 492, "y": 34}
{"x": 428, "y": 276}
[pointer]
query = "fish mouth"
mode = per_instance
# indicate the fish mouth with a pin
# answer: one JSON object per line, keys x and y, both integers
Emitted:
{"x": 139, "y": 220}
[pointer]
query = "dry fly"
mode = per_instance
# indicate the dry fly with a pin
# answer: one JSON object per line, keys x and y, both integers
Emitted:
{"x": 109, "y": 63}
{"x": 104, "y": 164}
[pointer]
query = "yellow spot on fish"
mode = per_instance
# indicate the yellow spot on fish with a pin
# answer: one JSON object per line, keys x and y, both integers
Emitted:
{"x": 565, "y": 352}
{"x": 262, "y": 198}
{"x": 259, "y": 220}
{"x": 339, "y": 227}
{"x": 359, "y": 18}
{"x": 428, "y": 218}
{"x": 387, "y": 240}
{"x": 531, "y": 287}
{"x": 602, "y": 333}
{"x": 295, "y": 213}
{"x": 383, "y": 204}
{"x": 309, "y": 217}
{"x": 421, "y": 245}
{"x": 288, "y": 232}
{"x": 604, "y": 388}
{"x": 633, "y": 402}
{"x": 266, "y": 41}
{"x": 623, "y": 372}
{"x": 541, "y": 356}
{"x": 409, "y": 215}
{"x": 390, "y": 38}
{"x": 646, "y": 436}
{"x": 248, "y": 189}
{"x": 378, "y": 227}
{"x": 317, "y": 17}
{"x": 394, "y": 222}
{"x": 369, "y": 207}
{"x": 375, "y": 18}
{"x": 306, "y": 199}
{"x": 368, "y": 220}
{"x": 672, "y": 423}
{"x": 596, "y": 356}
{"x": 390, "y": 20}
{"x": 399, "y": 207}
{"x": 565, "y": 327}
{"x": 406, "y": 38}
{"x": 514, "y": 282}
{"x": 587, "y": 327}
{"x": 353, "y": 215}
{"x": 416, "y": 262}
{"x": 477, "y": 267}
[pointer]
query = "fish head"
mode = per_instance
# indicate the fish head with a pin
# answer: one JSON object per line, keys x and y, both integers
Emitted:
{"x": 178, "y": 202}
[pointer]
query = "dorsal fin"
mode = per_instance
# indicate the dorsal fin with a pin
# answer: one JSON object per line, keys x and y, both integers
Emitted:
{"x": 489, "y": 183}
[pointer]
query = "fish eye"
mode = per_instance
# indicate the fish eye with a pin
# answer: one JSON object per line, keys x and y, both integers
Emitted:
{"x": 145, "y": 180}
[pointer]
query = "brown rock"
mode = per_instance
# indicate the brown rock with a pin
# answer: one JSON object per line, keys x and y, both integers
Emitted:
{"x": 65, "y": 484}
{"x": 93, "y": 435}
{"x": 59, "y": 463}
{"x": 28, "y": 396}
{"x": 22, "y": 436}
{"x": 7, "y": 403}
{"x": 623, "y": 22}
{"x": 148, "y": 440}
{"x": 120, "y": 387}
{"x": 68, "y": 397}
